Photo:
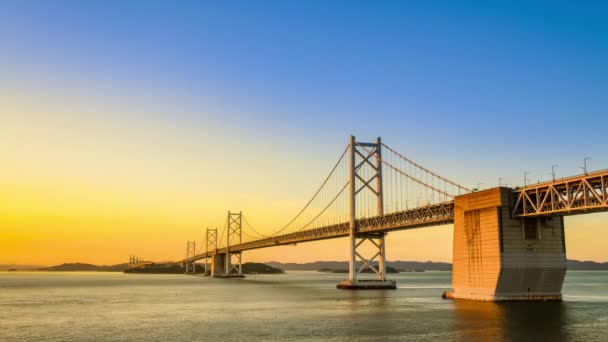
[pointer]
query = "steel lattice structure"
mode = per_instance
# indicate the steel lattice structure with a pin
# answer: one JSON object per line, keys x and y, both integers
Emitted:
{"x": 433, "y": 215}
{"x": 367, "y": 194}
{"x": 189, "y": 263}
{"x": 210, "y": 245}
{"x": 578, "y": 194}
{"x": 235, "y": 236}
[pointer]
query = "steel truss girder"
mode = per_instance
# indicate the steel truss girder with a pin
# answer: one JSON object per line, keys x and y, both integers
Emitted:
{"x": 569, "y": 196}
{"x": 431, "y": 215}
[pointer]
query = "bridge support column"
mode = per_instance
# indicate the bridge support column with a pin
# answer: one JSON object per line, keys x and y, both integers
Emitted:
{"x": 498, "y": 257}
{"x": 228, "y": 264}
{"x": 233, "y": 264}
{"x": 355, "y": 281}
{"x": 210, "y": 244}
{"x": 218, "y": 265}
{"x": 221, "y": 267}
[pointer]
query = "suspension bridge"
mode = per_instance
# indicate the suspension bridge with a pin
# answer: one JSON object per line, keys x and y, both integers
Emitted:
{"x": 508, "y": 243}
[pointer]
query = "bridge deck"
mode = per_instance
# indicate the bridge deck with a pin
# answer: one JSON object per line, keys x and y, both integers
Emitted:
{"x": 568, "y": 196}
{"x": 431, "y": 215}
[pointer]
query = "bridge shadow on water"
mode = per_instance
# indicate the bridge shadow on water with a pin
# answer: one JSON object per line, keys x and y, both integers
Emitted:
{"x": 510, "y": 321}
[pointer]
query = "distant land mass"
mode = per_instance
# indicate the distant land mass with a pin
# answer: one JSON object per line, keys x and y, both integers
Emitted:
{"x": 573, "y": 265}
{"x": 576, "y": 265}
{"x": 6, "y": 267}
{"x": 343, "y": 265}
{"x": 366, "y": 270}
{"x": 175, "y": 268}
{"x": 81, "y": 267}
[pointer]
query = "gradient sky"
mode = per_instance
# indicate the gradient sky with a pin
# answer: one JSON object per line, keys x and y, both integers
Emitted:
{"x": 129, "y": 127}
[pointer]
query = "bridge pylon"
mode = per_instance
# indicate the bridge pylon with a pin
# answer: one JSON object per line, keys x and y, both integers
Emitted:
{"x": 235, "y": 236}
{"x": 365, "y": 156}
{"x": 229, "y": 264}
{"x": 190, "y": 266}
{"x": 210, "y": 245}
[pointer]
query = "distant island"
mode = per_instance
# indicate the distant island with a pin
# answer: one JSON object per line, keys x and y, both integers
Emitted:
{"x": 278, "y": 267}
{"x": 342, "y": 266}
{"x": 366, "y": 270}
{"x": 152, "y": 268}
{"x": 413, "y": 266}
{"x": 82, "y": 267}
{"x": 175, "y": 268}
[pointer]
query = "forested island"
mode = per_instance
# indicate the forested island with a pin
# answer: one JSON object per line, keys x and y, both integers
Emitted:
{"x": 366, "y": 270}
{"x": 82, "y": 267}
{"x": 174, "y": 268}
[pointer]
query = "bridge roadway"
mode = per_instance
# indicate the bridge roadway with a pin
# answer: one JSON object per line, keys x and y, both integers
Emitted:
{"x": 432, "y": 215}
{"x": 567, "y": 196}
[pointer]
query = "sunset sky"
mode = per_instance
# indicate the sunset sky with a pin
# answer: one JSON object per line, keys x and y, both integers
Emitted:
{"x": 129, "y": 127}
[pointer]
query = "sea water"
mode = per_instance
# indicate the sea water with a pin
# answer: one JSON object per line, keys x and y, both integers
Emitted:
{"x": 297, "y": 306}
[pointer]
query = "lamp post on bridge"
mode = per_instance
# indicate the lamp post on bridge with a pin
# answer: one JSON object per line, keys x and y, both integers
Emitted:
{"x": 526, "y": 173}
{"x": 585, "y": 164}
{"x": 553, "y": 171}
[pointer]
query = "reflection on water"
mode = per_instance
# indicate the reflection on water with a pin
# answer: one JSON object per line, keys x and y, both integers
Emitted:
{"x": 513, "y": 321}
{"x": 298, "y": 306}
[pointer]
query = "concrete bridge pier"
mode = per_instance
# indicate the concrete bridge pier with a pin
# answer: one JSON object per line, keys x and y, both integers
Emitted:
{"x": 221, "y": 266}
{"x": 218, "y": 265}
{"x": 498, "y": 257}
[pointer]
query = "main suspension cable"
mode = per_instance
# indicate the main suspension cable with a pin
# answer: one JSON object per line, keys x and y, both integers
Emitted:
{"x": 314, "y": 196}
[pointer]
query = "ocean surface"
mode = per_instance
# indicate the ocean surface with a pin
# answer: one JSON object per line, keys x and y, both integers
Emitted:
{"x": 298, "y": 306}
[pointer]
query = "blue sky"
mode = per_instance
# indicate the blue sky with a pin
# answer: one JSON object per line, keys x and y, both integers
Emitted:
{"x": 511, "y": 78}
{"x": 475, "y": 90}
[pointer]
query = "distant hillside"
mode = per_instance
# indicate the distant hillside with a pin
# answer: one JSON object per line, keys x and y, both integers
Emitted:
{"x": 259, "y": 268}
{"x": 573, "y": 265}
{"x": 340, "y": 265}
{"x": 5, "y": 267}
{"x": 366, "y": 270}
{"x": 157, "y": 268}
{"x": 176, "y": 268}
{"x": 81, "y": 267}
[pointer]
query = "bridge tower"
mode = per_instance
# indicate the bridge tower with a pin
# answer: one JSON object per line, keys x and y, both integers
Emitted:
{"x": 235, "y": 236}
{"x": 210, "y": 245}
{"x": 190, "y": 266}
{"x": 365, "y": 155}
{"x": 228, "y": 264}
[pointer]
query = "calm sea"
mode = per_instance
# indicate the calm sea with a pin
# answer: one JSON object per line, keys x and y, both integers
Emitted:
{"x": 299, "y": 306}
